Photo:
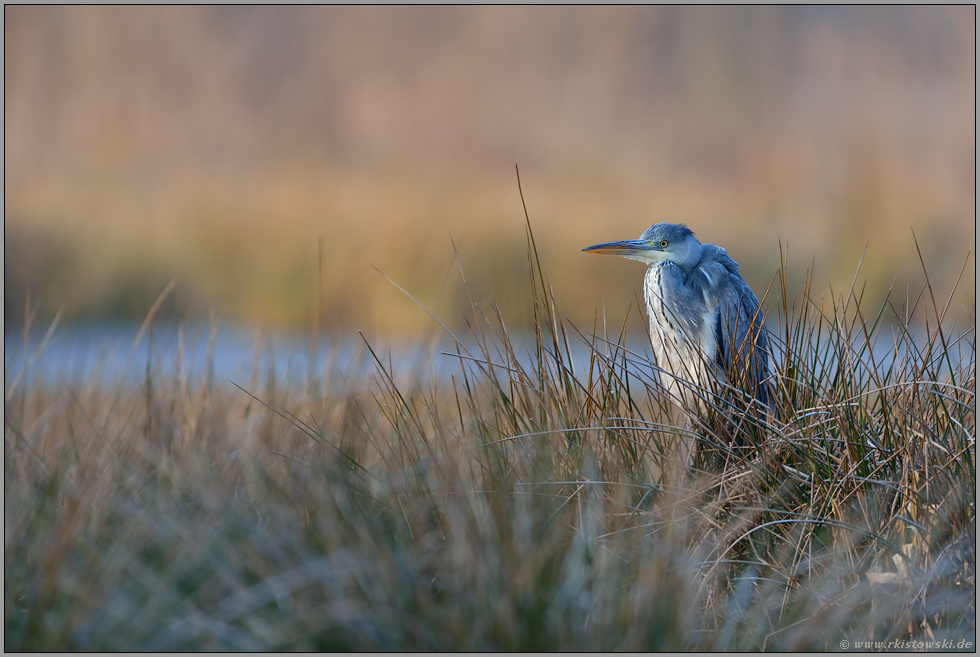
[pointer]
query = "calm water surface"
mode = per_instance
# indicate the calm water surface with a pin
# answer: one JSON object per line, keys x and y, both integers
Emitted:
{"x": 111, "y": 354}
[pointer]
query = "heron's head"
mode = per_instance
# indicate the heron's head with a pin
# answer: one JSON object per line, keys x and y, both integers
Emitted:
{"x": 658, "y": 243}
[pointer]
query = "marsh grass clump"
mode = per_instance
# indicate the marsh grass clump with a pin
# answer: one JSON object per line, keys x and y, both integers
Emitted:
{"x": 513, "y": 505}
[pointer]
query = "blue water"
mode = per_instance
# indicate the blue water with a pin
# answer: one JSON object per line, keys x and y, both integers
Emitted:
{"x": 112, "y": 354}
{"x": 120, "y": 354}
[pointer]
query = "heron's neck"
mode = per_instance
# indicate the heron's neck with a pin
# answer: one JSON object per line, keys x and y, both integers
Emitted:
{"x": 655, "y": 291}
{"x": 671, "y": 265}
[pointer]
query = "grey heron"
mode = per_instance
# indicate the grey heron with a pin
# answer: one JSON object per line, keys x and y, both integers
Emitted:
{"x": 706, "y": 327}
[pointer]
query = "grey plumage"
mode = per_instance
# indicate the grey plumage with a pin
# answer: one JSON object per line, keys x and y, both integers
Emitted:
{"x": 705, "y": 322}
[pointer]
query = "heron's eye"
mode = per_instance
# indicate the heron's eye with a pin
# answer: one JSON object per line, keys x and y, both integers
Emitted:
{"x": 663, "y": 244}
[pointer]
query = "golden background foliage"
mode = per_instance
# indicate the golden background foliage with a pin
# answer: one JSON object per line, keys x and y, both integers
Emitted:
{"x": 219, "y": 144}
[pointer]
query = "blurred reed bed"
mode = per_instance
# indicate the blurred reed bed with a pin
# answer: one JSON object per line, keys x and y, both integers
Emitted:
{"x": 513, "y": 506}
{"x": 214, "y": 144}
{"x": 249, "y": 250}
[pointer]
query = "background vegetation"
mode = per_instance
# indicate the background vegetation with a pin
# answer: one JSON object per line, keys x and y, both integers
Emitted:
{"x": 218, "y": 144}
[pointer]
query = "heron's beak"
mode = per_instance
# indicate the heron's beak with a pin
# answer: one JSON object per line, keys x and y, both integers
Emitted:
{"x": 633, "y": 249}
{"x": 624, "y": 248}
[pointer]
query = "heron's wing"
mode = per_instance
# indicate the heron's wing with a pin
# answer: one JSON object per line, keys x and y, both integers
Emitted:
{"x": 740, "y": 335}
